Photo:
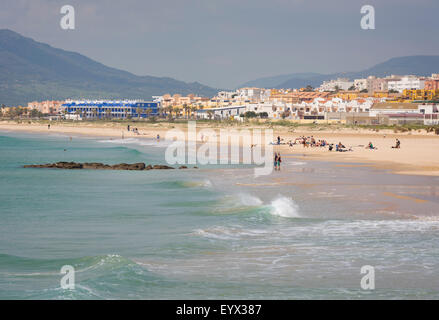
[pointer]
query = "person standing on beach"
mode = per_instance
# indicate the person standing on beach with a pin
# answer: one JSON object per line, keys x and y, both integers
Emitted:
{"x": 279, "y": 160}
{"x": 278, "y": 139}
{"x": 48, "y": 126}
{"x": 128, "y": 127}
{"x": 275, "y": 161}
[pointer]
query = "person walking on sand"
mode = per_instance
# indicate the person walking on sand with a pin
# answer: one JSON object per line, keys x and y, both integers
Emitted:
{"x": 275, "y": 161}
{"x": 278, "y": 139}
{"x": 48, "y": 126}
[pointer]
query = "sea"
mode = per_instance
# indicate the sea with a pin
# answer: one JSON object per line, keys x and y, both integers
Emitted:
{"x": 313, "y": 230}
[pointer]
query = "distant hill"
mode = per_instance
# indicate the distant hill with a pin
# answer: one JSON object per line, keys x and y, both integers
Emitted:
{"x": 416, "y": 65}
{"x": 31, "y": 70}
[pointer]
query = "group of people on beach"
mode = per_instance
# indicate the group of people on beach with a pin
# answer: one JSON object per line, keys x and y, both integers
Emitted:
{"x": 307, "y": 142}
{"x": 310, "y": 141}
{"x": 135, "y": 130}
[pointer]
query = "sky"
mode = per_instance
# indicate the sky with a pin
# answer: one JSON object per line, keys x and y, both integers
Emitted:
{"x": 224, "y": 43}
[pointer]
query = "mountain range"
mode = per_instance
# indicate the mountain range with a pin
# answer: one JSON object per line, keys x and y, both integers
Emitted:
{"x": 31, "y": 70}
{"x": 415, "y": 65}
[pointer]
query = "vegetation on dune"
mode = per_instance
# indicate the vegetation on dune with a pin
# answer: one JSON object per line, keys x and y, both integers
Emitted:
{"x": 20, "y": 115}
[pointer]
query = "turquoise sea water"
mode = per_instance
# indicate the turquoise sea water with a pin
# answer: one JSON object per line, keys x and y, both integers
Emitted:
{"x": 215, "y": 232}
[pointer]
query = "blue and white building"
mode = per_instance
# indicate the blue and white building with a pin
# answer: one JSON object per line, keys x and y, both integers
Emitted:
{"x": 102, "y": 109}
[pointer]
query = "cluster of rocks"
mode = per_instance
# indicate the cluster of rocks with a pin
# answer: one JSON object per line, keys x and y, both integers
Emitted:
{"x": 100, "y": 166}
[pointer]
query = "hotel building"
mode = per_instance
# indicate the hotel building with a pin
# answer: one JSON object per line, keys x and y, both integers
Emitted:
{"x": 102, "y": 109}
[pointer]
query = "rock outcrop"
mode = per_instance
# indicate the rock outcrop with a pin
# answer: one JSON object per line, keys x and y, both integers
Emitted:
{"x": 161, "y": 166}
{"x": 101, "y": 166}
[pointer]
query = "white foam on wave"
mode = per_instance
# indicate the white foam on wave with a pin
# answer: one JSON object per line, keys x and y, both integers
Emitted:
{"x": 281, "y": 206}
{"x": 140, "y": 142}
{"x": 284, "y": 207}
{"x": 218, "y": 233}
{"x": 235, "y": 232}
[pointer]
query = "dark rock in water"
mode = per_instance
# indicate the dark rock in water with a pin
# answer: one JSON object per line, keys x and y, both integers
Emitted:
{"x": 161, "y": 166}
{"x": 126, "y": 166}
{"x": 95, "y": 166}
{"x": 59, "y": 165}
{"x": 98, "y": 166}
{"x": 195, "y": 167}
{"x": 183, "y": 167}
{"x": 66, "y": 165}
{"x": 49, "y": 165}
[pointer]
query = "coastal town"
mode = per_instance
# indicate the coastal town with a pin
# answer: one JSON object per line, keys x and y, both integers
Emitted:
{"x": 225, "y": 158}
{"x": 392, "y": 100}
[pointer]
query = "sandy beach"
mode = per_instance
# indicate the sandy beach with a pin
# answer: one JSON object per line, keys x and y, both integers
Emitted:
{"x": 418, "y": 155}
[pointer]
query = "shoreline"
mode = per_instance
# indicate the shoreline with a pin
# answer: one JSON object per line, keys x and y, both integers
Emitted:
{"x": 419, "y": 153}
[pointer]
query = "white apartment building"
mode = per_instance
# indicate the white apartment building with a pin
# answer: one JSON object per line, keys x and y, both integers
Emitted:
{"x": 239, "y": 97}
{"x": 341, "y": 83}
{"x": 321, "y": 106}
{"x": 254, "y": 94}
{"x": 407, "y": 82}
{"x": 227, "y": 95}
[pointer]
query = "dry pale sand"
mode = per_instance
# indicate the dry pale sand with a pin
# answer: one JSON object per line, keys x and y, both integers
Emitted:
{"x": 419, "y": 153}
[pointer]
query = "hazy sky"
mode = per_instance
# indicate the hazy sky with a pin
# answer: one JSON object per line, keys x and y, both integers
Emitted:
{"x": 225, "y": 43}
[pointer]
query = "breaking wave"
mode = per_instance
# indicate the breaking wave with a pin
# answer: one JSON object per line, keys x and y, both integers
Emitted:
{"x": 284, "y": 207}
